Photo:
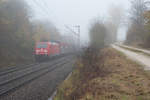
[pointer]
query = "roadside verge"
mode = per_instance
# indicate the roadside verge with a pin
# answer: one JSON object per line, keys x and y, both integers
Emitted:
{"x": 110, "y": 76}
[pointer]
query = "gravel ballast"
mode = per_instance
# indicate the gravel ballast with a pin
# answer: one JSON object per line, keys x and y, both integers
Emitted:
{"x": 41, "y": 88}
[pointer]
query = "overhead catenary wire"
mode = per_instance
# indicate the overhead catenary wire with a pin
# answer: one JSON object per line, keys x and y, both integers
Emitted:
{"x": 42, "y": 8}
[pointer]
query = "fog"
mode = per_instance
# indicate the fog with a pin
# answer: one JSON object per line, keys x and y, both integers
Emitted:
{"x": 76, "y": 12}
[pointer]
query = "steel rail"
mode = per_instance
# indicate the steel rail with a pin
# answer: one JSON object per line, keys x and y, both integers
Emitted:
{"x": 13, "y": 83}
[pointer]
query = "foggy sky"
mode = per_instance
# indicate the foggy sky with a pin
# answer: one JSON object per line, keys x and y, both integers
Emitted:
{"x": 75, "y": 12}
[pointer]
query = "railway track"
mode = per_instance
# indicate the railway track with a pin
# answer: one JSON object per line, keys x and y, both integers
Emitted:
{"x": 13, "y": 78}
{"x": 16, "y": 68}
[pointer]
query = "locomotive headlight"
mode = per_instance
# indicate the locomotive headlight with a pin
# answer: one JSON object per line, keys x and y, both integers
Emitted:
{"x": 45, "y": 51}
{"x": 37, "y": 51}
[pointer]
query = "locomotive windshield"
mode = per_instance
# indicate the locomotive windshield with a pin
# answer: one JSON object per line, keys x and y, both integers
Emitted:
{"x": 42, "y": 46}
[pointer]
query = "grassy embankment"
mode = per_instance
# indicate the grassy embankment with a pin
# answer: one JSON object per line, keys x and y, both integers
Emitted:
{"x": 110, "y": 76}
{"x": 14, "y": 56}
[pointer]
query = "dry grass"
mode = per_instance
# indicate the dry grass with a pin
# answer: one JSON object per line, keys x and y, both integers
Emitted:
{"x": 113, "y": 77}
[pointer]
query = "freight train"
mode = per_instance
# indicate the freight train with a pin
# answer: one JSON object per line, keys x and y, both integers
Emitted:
{"x": 45, "y": 50}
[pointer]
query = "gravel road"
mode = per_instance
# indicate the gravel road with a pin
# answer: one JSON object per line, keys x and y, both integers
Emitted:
{"x": 41, "y": 88}
{"x": 138, "y": 57}
{"x": 139, "y": 49}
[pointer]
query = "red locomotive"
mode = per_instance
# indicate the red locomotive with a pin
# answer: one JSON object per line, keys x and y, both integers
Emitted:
{"x": 46, "y": 50}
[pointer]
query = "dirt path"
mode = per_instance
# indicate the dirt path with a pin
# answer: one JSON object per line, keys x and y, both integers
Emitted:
{"x": 138, "y": 57}
{"x": 138, "y": 49}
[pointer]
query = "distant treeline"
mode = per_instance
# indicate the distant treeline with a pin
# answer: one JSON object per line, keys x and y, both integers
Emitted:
{"x": 18, "y": 33}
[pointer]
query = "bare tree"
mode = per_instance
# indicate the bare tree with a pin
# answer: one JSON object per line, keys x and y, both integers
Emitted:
{"x": 137, "y": 11}
{"x": 137, "y": 32}
{"x": 97, "y": 33}
{"x": 116, "y": 15}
